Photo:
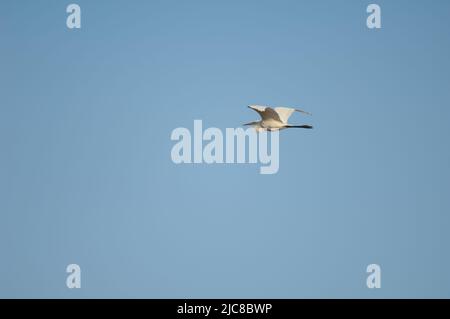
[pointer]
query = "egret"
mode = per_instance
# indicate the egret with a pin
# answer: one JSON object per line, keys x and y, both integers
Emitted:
{"x": 274, "y": 119}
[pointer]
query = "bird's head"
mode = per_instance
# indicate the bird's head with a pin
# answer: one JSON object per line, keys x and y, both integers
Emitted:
{"x": 251, "y": 124}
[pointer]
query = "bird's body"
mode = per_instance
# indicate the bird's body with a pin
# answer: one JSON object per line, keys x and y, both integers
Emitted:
{"x": 274, "y": 119}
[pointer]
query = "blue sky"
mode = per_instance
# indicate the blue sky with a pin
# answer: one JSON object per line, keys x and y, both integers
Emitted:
{"x": 86, "y": 175}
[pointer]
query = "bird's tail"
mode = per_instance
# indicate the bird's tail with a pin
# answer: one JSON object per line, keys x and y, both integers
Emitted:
{"x": 300, "y": 126}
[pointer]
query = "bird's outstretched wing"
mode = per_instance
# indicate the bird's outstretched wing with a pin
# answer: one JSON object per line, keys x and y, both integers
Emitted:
{"x": 266, "y": 112}
{"x": 285, "y": 112}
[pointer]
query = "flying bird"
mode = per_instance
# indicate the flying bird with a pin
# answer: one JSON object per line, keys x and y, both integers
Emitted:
{"x": 274, "y": 119}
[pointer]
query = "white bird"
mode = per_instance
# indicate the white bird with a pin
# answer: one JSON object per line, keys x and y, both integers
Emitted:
{"x": 274, "y": 119}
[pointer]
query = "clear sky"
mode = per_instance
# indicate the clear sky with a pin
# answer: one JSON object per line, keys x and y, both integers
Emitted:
{"x": 86, "y": 175}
